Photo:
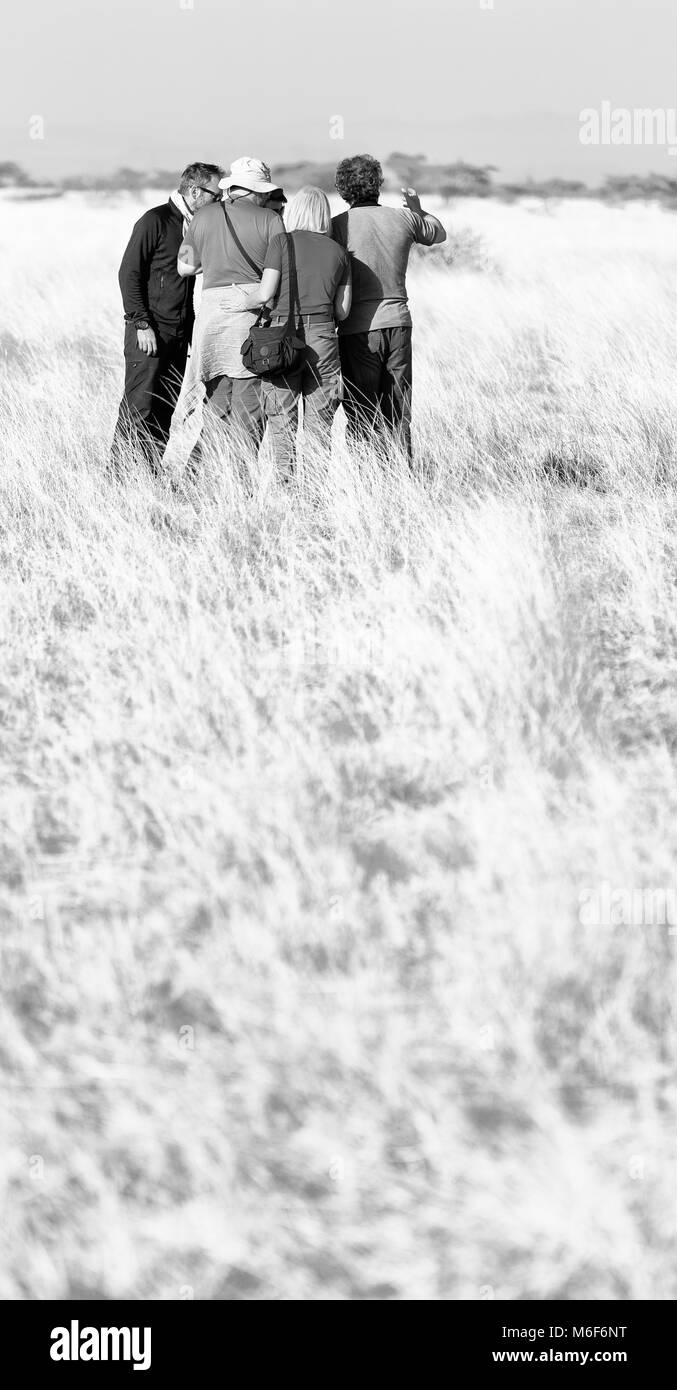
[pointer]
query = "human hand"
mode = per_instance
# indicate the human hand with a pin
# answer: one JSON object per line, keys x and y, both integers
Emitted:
{"x": 146, "y": 341}
{"x": 411, "y": 199}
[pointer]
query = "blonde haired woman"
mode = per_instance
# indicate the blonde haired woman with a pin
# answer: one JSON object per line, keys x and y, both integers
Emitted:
{"x": 324, "y": 297}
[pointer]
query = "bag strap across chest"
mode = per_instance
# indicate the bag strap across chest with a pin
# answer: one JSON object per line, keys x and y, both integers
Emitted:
{"x": 294, "y": 301}
{"x": 240, "y": 247}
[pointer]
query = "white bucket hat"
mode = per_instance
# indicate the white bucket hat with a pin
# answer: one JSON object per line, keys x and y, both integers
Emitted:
{"x": 250, "y": 173}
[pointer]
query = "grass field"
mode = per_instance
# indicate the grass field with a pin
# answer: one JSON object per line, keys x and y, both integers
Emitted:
{"x": 307, "y": 795}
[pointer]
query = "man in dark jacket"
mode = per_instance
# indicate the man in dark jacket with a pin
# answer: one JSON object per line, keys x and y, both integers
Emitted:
{"x": 158, "y": 305}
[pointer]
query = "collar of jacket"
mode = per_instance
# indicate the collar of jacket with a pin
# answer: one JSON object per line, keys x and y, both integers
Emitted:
{"x": 178, "y": 201}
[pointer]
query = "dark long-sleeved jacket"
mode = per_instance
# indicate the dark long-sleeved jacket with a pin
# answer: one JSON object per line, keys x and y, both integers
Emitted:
{"x": 151, "y": 286}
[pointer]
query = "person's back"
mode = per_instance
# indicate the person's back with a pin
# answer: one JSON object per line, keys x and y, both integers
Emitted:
{"x": 211, "y": 238}
{"x": 321, "y": 266}
{"x": 378, "y": 240}
{"x": 375, "y": 338}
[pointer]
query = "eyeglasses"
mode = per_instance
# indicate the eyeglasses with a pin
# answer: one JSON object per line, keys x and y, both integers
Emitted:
{"x": 216, "y": 196}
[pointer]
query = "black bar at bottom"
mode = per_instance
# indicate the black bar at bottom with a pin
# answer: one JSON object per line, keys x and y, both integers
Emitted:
{"x": 180, "y": 1339}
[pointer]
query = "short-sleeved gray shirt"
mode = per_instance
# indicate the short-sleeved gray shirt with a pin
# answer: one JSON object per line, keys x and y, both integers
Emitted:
{"x": 378, "y": 240}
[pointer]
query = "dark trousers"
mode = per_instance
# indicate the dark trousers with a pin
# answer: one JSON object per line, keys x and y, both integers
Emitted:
{"x": 377, "y": 379}
{"x": 237, "y": 404}
{"x": 152, "y": 386}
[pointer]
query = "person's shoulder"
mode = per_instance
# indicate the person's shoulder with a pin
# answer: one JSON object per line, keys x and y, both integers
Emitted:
{"x": 382, "y": 212}
{"x": 263, "y": 222}
{"x": 211, "y": 212}
{"x": 401, "y": 215}
{"x": 337, "y": 249}
{"x": 153, "y": 217}
{"x": 339, "y": 223}
{"x": 266, "y": 218}
{"x": 410, "y": 218}
{"x": 203, "y": 218}
{"x": 373, "y": 214}
{"x": 403, "y": 222}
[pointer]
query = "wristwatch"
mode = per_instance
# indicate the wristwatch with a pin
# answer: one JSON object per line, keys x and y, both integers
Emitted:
{"x": 142, "y": 324}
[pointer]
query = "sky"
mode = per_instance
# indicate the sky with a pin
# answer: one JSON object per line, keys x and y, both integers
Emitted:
{"x": 88, "y": 86}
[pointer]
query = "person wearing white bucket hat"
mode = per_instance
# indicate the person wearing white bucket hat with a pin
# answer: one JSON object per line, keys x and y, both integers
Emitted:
{"x": 250, "y": 174}
{"x": 229, "y": 244}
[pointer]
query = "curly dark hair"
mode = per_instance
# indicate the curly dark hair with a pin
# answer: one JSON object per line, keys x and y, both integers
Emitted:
{"x": 359, "y": 179}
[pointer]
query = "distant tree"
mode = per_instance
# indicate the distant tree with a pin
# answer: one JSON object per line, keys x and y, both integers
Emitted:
{"x": 545, "y": 188}
{"x": 123, "y": 179}
{"x": 13, "y": 176}
{"x": 563, "y": 188}
{"x": 457, "y": 180}
{"x": 132, "y": 179}
{"x": 409, "y": 169}
{"x": 453, "y": 180}
{"x": 303, "y": 171}
{"x": 623, "y": 188}
{"x": 163, "y": 178}
{"x": 462, "y": 180}
{"x": 80, "y": 183}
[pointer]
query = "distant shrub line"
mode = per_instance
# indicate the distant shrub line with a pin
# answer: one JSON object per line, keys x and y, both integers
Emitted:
{"x": 455, "y": 180}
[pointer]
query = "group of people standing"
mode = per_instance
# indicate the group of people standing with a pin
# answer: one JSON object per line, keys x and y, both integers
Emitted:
{"x": 341, "y": 283}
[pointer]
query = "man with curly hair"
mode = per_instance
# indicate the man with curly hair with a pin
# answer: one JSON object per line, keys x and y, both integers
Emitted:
{"x": 375, "y": 338}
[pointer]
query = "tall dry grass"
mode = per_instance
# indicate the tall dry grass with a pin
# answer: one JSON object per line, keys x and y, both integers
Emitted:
{"x": 304, "y": 791}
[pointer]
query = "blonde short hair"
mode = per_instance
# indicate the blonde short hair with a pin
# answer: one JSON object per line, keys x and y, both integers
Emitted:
{"x": 308, "y": 211}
